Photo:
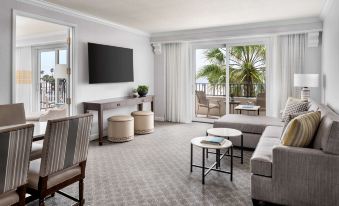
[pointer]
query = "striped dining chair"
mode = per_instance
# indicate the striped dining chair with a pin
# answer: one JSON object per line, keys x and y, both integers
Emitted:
{"x": 15, "y": 147}
{"x": 63, "y": 161}
{"x": 12, "y": 114}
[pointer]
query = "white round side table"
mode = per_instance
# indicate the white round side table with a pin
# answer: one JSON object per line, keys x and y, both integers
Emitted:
{"x": 227, "y": 133}
{"x": 216, "y": 165}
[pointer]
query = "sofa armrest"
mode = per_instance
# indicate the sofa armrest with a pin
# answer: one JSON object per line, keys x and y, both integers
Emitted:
{"x": 305, "y": 175}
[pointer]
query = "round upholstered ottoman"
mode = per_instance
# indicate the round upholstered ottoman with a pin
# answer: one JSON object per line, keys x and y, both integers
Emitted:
{"x": 120, "y": 128}
{"x": 143, "y": 122}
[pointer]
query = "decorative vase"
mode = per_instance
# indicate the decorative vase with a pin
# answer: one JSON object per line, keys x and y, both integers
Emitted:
{"x": 135, "y": 94}
{"x": 142, "y": 94}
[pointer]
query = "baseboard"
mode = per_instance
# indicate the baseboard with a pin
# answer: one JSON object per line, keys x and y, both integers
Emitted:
{"x": 160, "y": 119}
{"x": 93, "y": 137}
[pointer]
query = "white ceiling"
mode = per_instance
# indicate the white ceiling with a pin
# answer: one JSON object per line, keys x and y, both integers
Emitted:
{"x": 28, "y": 27}
{"x": 170, "y": 15}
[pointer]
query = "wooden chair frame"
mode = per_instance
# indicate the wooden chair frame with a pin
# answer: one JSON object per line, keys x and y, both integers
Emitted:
{"x": 43, "y": 192}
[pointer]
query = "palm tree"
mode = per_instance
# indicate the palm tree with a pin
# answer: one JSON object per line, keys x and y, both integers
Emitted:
{"x": 247, "y": 66}
{"x": 215, "y": 71}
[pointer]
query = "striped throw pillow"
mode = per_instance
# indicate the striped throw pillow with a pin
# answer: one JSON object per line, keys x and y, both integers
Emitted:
{"x": 300, "y": 131}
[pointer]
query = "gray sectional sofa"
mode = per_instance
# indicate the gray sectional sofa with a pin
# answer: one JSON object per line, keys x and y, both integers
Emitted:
{"x": 291, "y": 175}
{"x": 252, "y": 127}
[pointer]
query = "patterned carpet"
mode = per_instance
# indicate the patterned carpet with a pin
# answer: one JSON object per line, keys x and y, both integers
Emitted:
{"x": 154, "y": 169}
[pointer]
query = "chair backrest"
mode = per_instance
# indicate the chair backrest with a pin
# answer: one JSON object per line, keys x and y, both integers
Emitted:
{"x": 261, "y": 100}
{"x": 65, "y": 143}
{"x": 201, "y": 95}
{"x": 11, "y": 114}
{"x": 15, "y": 148}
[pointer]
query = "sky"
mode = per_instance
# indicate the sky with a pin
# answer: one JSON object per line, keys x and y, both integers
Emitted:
{"x": 48, "y": 60}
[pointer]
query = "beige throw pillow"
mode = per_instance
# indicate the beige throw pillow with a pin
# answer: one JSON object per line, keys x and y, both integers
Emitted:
{"x": 301, "y": 130}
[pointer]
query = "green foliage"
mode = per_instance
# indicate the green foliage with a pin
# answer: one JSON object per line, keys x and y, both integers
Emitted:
{"x": 215, "y": 71}
{"x": 142, "y": 89}
{"x": 48, "y": 78}
{"x": 247, "y": 65}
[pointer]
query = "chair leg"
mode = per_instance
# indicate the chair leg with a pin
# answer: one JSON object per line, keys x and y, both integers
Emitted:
{"x": 21, "y": 192}
{"x": 208, "y": 111}
{"x": 81, "y": 192}
{"x": 41, "y": 201}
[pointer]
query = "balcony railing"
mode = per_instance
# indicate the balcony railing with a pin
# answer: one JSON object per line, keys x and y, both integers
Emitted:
{"x": 238, "y": 90}
{"x": 51, "y": 94}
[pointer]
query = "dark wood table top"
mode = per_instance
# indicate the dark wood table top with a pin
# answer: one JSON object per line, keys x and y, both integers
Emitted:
{"x": 116, "y": 99}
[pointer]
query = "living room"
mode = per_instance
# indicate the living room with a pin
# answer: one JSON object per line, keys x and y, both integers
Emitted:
{"x": 169, "y": 102}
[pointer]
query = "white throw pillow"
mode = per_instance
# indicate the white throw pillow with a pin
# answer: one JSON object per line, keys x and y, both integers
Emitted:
{"x": 294, "y": 105}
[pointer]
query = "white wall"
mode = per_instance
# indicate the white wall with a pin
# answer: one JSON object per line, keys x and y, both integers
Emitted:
{"x": 331, "y": 55}
{"x": 86, "y": 31}
{"x": 313, "y": 66}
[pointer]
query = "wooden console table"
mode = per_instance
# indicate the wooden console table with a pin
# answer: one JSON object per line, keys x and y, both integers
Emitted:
{"x": 108, "y": 104}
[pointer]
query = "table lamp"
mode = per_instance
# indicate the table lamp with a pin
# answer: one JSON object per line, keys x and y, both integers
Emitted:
{"x": 306, "y": 81}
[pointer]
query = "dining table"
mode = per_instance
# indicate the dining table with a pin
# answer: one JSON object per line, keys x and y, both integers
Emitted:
{"x": 39, "y": 130}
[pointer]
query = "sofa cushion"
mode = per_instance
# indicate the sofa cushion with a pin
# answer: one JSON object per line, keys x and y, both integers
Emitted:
{"x": 273, "y": 131}
{"x": 54, "y": 179}
{"x": 261, "y": 161}
{"x": 327, "y": 137}
{"x": 9, "y": 198}
{"x": 294, "y": 107}
{"x": 301, "y": 130}
{"x": 248, "y": 124}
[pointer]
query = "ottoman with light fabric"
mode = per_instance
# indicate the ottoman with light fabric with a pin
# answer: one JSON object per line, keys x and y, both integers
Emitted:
{"x": 143, "y": 122}
{"x": 120, "y": 128}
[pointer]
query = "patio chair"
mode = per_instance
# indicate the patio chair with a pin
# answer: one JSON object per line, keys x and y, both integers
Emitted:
{"x": 205, "y": 103}
{"x": 15, "y": 144}
{"x": 63, "y": 160}
{"x": 12, "y": 114}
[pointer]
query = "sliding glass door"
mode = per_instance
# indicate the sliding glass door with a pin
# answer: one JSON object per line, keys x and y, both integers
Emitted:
{"x": 210, "y": 82}
{"x": 247, "y": 77}
{"x": 53, "y": 76}
{"x": 227, "y": 76}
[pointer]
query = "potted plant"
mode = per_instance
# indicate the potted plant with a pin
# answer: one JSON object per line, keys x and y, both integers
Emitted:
{"x": 142, "y": 90}
{"x": 135, "y": 93}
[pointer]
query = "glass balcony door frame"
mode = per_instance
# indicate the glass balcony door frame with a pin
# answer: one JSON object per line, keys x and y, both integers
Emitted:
{"x": 37, "y": 51}
{"x": 196, "y": 47}
{"x": 72, "y": 57}
{"x": 228, "y": 43}
{"x": 246, "y": 42}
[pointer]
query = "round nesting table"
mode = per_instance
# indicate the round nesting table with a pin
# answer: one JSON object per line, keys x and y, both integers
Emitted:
{"x": 226, "y": 145}
{"x": 227, "y": 133}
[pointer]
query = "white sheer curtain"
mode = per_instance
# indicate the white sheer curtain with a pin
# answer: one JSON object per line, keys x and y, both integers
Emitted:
{"x": 288, "y": 58}
{"x": 24, "y": 78}
{"x": 178, "y": 82}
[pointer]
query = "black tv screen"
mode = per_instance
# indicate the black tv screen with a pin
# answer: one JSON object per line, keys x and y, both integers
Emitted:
{"x": 109, "y": 64}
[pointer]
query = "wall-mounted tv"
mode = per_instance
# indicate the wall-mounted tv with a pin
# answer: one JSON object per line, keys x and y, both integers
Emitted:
{"x": 109, "y": 64}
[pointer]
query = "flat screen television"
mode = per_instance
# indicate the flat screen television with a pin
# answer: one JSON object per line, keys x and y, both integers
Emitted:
{"x": 109, "y": 64}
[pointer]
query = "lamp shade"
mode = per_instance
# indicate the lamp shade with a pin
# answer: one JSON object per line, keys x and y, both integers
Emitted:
{"x": 306, "y": 80}
{"x": 60, "y": 71}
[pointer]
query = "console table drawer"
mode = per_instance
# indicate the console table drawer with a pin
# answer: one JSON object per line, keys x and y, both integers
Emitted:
{"x": 114, "y": 105}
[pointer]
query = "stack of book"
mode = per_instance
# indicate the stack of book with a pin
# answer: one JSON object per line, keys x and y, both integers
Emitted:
{"x": 213, "y": 141}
